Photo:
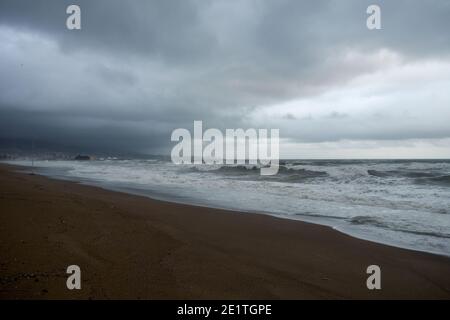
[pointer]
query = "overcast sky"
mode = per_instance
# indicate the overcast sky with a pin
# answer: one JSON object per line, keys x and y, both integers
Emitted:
{"x": 139, "y": 69}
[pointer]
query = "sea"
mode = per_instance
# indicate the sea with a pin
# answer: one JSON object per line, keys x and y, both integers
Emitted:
{"x": 404, "y": 203}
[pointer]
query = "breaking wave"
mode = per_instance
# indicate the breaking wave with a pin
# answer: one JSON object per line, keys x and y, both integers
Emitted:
{"x": 419, "y": 177}
{"x": 253, "y": 172}
{"x": 373, "y": 221}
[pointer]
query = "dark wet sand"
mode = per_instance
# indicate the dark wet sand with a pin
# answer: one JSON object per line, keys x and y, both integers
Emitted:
{"x": 134, "y": 247}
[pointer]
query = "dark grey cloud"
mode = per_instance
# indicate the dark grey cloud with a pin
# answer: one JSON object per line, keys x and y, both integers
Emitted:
{"x": 139, "y": 69}
{"x": 168, "y": 30}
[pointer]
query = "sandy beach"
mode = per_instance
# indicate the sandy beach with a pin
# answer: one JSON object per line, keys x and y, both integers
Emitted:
{"x": 135, "y": 247}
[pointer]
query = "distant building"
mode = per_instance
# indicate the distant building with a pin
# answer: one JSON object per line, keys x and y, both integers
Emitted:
{"x": 82, "y": 157}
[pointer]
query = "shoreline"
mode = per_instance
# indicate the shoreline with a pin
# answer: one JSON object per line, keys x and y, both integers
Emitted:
{"x": 131, "y": 246}
{"x": 162, "y": 197}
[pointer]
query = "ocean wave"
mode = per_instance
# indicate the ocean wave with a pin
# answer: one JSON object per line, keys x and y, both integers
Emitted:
{"x": 302, "y": 172}
{"x": 368, "y": 220}
{"x": 284, "y": 173}
{"x": 418, "y": 177}
{"x": 373, "y": 221}
{"x": 440, "y": 180}
{"x": 316, "y": 215}
{"x": 401, "y": 174}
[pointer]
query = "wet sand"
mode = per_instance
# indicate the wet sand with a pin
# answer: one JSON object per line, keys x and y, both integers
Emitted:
{"x": 134, "y": 247}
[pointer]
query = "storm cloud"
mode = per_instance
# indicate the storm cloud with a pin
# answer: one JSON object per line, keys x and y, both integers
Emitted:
{"x": 139, "y": 69}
